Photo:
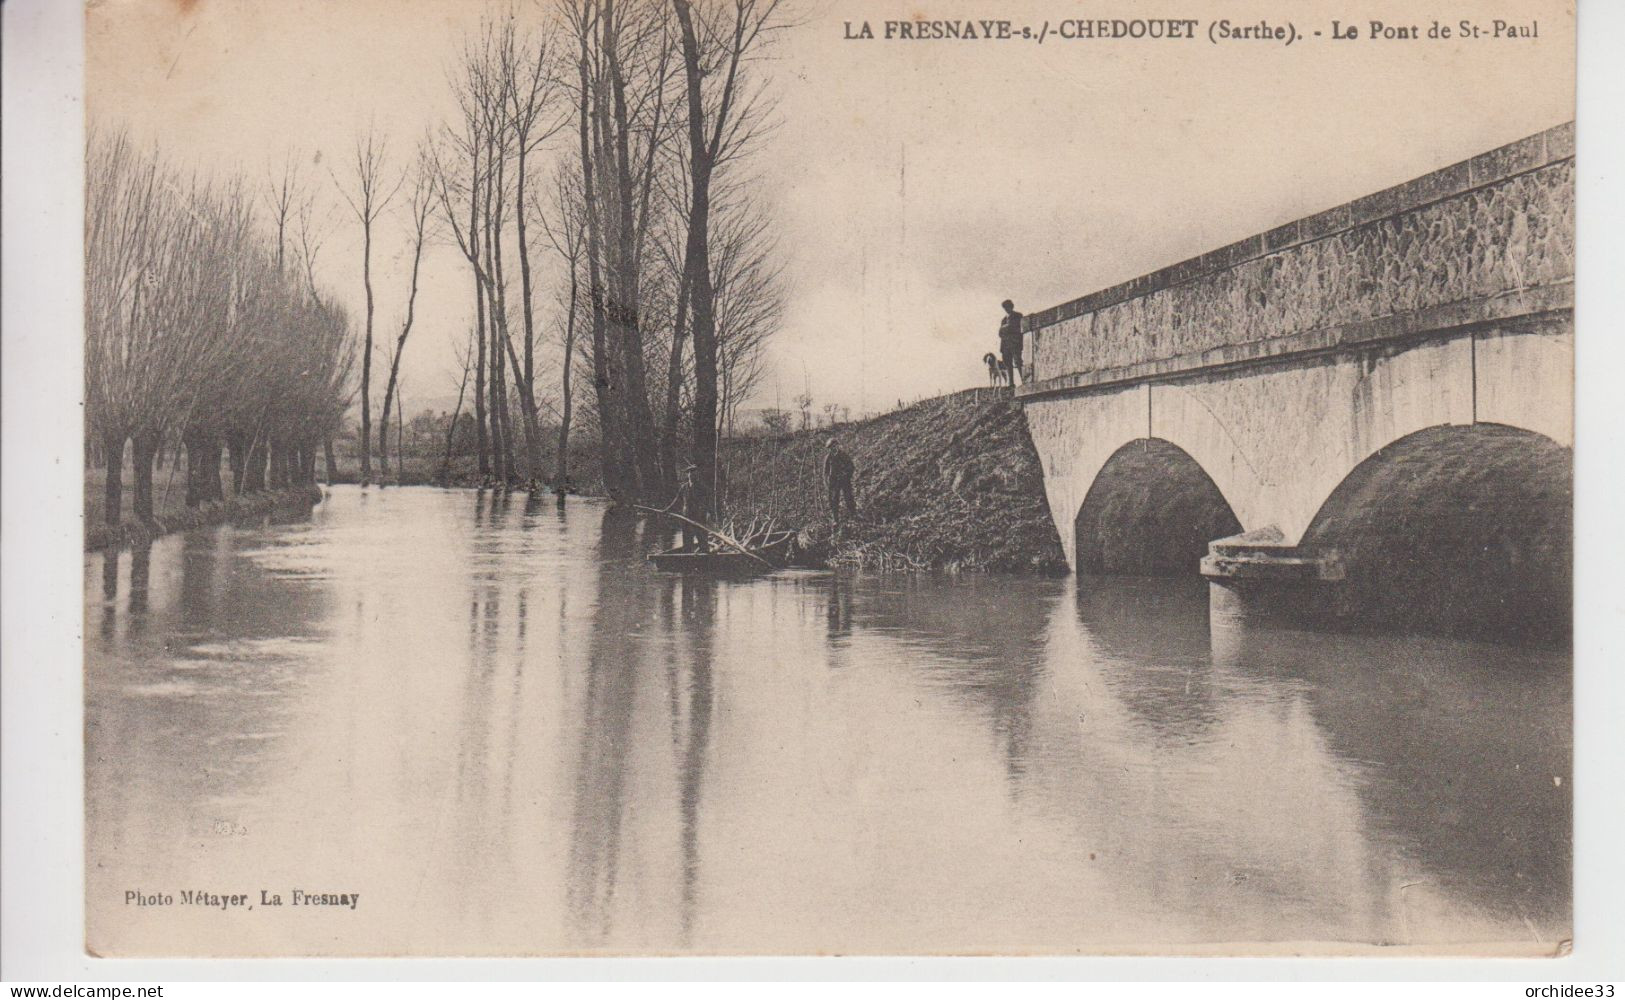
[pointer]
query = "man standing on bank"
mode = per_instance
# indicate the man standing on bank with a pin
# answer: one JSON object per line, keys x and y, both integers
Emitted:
{"x": 1010, "y": 342}
{"x": 838, "y": 471}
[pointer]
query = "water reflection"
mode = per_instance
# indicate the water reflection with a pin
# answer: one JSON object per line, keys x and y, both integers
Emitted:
{"x": 488, "y": 713}
{"x": 838, "y": 609}
{"x": 612, "y": 668}
{"x": 1464, "y": 773}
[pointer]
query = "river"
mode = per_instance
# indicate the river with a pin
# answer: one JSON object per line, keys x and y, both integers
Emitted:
{"x": 494, "y": 725}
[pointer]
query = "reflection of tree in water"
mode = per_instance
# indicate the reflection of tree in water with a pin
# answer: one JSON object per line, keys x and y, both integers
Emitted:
{"x": 696, "y": 631}
{"x": 1457, "y": 745}
{"x": 612, "y": 668}
{"x": 475, "y": 764}
{"x": 109, "y": 624}
{"x": 200, "y": 575}
{"x": 838, "y": 609}
{"x": 140, "y": 581}
{"x": 1154, "y": 631}
{"x": 535, "y": 501}
{"x": 623, "y": 653}
{"x": 191, "y": 650}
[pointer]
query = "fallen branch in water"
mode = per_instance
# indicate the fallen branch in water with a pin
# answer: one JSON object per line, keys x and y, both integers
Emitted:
{"x": 708, "y": 530}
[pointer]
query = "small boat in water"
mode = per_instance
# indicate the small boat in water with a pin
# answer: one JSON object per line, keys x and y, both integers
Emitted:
{"x": 761, "y": 553}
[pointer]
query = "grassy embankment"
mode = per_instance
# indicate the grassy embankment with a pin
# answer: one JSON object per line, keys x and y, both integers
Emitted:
{"x": 948, "y": 483}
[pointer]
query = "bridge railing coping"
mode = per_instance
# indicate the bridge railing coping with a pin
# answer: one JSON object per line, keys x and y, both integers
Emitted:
{"x": 1530, "y": 153}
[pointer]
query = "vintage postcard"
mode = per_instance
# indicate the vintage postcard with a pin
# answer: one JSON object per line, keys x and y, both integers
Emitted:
{"x": 810, "y": 477}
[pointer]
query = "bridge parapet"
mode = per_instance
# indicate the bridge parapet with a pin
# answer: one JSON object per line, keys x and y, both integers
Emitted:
{"x": 1485, "y": 240}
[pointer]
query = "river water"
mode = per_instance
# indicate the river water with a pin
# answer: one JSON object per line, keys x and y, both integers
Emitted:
{"x": 495, "y": 725}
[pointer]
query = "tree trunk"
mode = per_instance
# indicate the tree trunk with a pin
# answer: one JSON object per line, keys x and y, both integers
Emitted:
{"x": 493, "y": 406}
{"x": 366, "y": 357}
{"x": 698, "y": 271}
{"x": 625, "y": 301}
{"x": 211, "y": 471}
{"x": 400, "y": 457}
{"x": 254, "y": 466}
{"x": 527, "y": 380}
{"x": 674, "y": 386}
{"x": 113, "y": 491}
{"x": 444, "y": 475}
{"x": 395, "y": 362}
{"x": 480, "y": 435}
{"x": 238, "y": 444}
{"x": 494, "y": 403}
{"x": 200, "y": 466}
{"x": 533, "y": 427}
{"x": 144, "y": 447}
{"x": 498, "y": 285}
{"x": 276, "y": 465}
{"x": 561, "y": 468}
{"x": 383, "y": 419}
{"x": 613, "y": 468}
{"x": 332, "y": 463}
{"x": 507, "y": 422}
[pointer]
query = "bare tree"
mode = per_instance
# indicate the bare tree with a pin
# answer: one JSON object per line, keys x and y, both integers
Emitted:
{"x": 284, "y": 196}
{"x": 530, "y": 86}
{"x": 625, "y": 65}
{"x": 724, "y": 117}
{"x": 567, "y": 238}
{"x": 420, "y": 204}
{"x": 371, "y": 194}
{"x": 153, "y": 284}
{"x": 463, "y": 144}
{"x": 193, "y": 328}
{"x": 310, "y": 234}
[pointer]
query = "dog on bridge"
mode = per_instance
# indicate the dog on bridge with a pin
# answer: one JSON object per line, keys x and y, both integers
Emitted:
{"x": 996, "y": 374}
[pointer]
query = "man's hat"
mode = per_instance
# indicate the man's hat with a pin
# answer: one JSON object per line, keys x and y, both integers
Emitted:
{"x": 1008, "y": 304}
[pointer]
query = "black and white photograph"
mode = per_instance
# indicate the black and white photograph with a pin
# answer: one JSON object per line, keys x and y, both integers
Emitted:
{"x": 827, "y": 478}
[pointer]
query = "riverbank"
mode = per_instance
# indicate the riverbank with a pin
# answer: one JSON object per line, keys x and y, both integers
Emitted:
{"x": 950, "y": 483}
{"x": 174, "y": 515}
{"x": 430, "y": 469}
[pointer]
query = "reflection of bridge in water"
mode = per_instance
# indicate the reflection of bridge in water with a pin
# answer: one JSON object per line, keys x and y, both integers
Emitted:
{"x": 1372, "y": 405}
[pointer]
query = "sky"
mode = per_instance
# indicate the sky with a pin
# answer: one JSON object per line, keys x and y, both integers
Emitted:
{"x": 913, "y": 184}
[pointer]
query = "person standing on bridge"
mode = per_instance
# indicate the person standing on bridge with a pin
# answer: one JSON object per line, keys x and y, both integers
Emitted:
{"x": 838, "y": 473}
{"x": 1010, "y": 342}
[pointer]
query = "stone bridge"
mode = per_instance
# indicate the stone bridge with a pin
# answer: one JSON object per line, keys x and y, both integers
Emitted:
{"x": 1375, "y": 402}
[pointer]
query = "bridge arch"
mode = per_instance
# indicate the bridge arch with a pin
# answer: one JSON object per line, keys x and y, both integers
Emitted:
{"x": 1151, "y": 510}
{"x": 1076, "y": 438}
{"x": 1464, "y": 528}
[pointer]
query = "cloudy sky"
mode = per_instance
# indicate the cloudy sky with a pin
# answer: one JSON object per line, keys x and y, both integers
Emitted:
{"x": 914, "y": 184}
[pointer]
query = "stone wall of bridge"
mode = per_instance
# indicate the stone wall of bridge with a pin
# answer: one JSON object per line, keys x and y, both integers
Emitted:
{"x": 1489, "y": 238}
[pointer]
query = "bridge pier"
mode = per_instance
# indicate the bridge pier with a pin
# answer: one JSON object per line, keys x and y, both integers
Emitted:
{"x": 1258, "y": 576}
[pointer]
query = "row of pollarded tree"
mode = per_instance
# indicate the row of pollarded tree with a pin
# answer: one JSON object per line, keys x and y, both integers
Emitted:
{"x": 601, "y": 144}
{"x": 197, "y": 326}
